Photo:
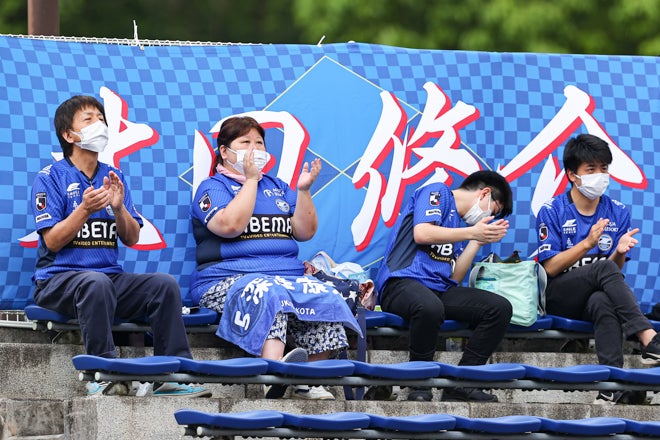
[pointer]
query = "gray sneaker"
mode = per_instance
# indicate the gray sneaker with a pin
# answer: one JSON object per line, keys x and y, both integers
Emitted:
{"x": 651, "y": 353}
{"x": 276, "y": 391}
{"x": 621, "y": 397}
{"x": 608, "y": 397}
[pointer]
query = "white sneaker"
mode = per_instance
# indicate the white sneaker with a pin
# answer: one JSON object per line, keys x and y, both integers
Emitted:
{"x": 306, "y": 392}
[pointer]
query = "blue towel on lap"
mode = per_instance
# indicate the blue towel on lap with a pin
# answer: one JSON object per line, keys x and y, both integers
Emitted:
{"x": 254, "y": 300}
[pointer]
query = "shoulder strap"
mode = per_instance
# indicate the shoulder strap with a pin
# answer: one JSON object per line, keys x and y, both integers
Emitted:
{"x": 542, "y": 278}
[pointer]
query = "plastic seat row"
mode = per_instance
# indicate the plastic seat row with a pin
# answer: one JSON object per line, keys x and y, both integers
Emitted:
{"x": 375, "y": 322}
{"x": 354, "y": 373}
{"x": 266, "y": 423}
{"x": 45, "y": 319}
{"x": 548, "y": 326}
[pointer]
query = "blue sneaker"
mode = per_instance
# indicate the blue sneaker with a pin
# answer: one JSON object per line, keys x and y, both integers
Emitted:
{"x": 171, "y": 389}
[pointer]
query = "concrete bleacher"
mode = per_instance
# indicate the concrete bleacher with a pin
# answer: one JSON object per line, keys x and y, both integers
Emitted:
{"x": 41, "y": 396}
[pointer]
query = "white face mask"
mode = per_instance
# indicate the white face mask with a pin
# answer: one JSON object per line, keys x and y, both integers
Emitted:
{"x": 94, "y": 137}
{"x": 593, "y": 185}
{"x": 260, "y": 157}
{"x": 475, "y": 214}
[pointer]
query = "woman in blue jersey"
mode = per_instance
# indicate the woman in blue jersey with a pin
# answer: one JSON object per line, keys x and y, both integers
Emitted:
{"x": 425, "y": 260}
{"x": 246, "y": 224}
{"x": 585, "y": 238}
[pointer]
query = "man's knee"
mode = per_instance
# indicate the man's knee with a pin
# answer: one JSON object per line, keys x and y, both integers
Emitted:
{"x": 167, "y": 286}
{"x": 599, "y": 304}
{"x": 96, "y": 285}
{"x": 500, "y": 309}
{"x": 607, "y": 267}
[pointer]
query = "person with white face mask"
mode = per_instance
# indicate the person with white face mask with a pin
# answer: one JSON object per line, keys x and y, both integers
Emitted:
{"x": 584, "y": 240}
{"x": 246, "y": 224}
{"x": 83, "y": 209}
{"x": 428, "y": 254}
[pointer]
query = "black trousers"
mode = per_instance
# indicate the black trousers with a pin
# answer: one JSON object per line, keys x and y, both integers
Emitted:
{"x": 96, "y": 299}
{"x": 487, "y": 314}
{"x": 598, "y": 293}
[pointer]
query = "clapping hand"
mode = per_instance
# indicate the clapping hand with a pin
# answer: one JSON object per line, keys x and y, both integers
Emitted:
{"x": 307, "y": 176}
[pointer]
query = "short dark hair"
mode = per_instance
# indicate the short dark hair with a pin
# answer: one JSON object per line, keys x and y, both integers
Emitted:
{"x": 233, "y": 128}
{"x": 586, "y": 148}
{"x": 499, "y": 187}
{"x": 64, "y": 117}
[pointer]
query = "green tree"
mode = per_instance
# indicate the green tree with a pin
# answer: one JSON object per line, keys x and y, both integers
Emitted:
{"x": 559, "y": 26}
{"x": 246, "y": 21}
{"x": 13, "y": 17}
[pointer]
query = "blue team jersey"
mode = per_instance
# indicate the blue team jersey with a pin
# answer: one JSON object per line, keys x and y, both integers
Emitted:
{"x": 265, "y": 246}
{"x": 432, "y": 265}
{"x": 560, "y": 226}
{"x": 56, "y": 192}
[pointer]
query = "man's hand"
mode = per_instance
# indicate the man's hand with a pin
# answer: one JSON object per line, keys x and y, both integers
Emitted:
{"x": 486, "y": 232}
{"x": 627, "y": 241}
{"x": 115, "y": 190}
{"x": 94, "y": 200}
{"x": 595, "y": 232}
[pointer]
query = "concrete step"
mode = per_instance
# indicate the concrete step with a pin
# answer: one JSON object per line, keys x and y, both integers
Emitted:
{"x": 115, "y": 418}
{"x": 45, "y": 371}
{"x": 42, "y": 398}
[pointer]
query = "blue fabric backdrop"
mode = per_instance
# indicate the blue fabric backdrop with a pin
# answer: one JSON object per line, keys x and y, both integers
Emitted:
{"x": 382, "y": 119}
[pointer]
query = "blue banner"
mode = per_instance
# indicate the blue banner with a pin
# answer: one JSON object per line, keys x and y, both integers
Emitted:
{"x": 383, "y": 120}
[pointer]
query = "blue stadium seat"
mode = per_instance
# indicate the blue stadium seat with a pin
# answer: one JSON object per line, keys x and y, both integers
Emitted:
{"x": 570, "y": 374}
{"x": 649, "y": 376}
{"x": 137, "y": 366}
{"x": 224, "y": 367}
{"x": 36, "y": 313}
{"x": 416, "y": 423}
{"x": 573, "y": 325}
{"x": 542, "y": 323}
{"x": 488, "y": 372}
{"x": 402, "y": 370}
{"x": 325, "y": 368}
{"x": 257, "y": 419}
{"x": 499, "y": 425}
{"x": 199, "y": 317}
{"x": 266, "y": 423}
{"x": 341, "y": 421}
{"x": 647, "y": 428}
{"x": 584, "y": 427}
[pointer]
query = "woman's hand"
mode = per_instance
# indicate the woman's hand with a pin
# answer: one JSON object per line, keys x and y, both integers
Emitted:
{"x": 307, "y": 176}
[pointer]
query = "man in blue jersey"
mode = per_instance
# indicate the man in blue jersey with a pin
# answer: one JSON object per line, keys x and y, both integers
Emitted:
{"x": 425, "y": 260}
{"x": 82, "y": 208}
{"x": 585, "y": 237}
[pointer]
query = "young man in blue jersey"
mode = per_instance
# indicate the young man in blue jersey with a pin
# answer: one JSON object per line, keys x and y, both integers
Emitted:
{"x": 82, "y": 208}
{"x": 425, "y": 260}
{"x": 585, "y": 237}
